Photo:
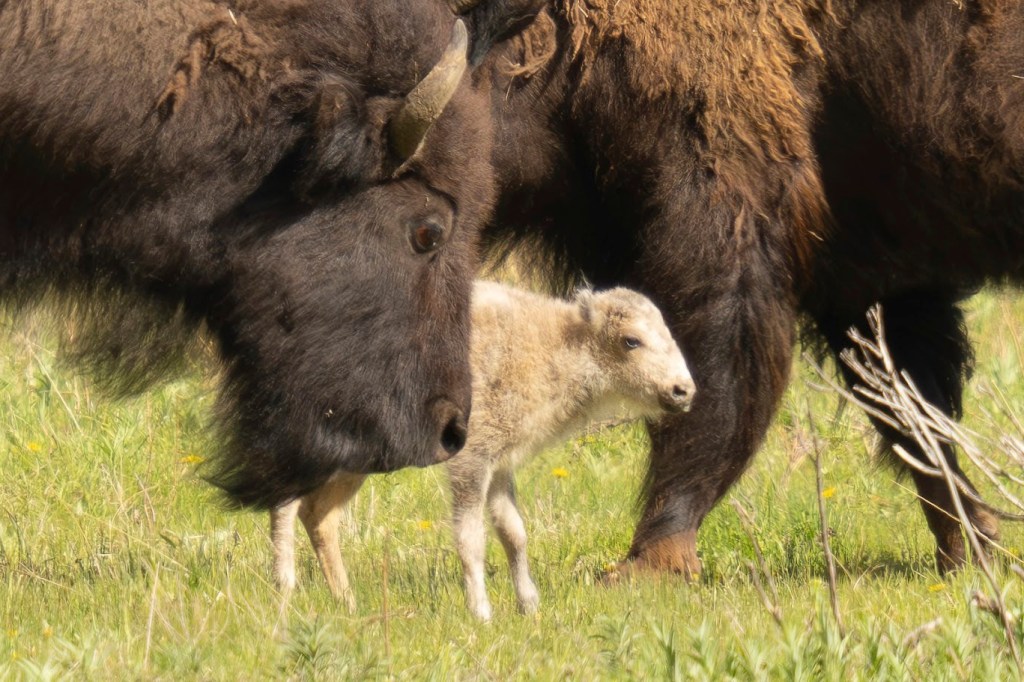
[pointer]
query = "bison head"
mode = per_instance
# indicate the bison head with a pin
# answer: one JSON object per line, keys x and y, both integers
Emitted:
{"x": 344, "y": 310}
{"x": 305, "y": 178}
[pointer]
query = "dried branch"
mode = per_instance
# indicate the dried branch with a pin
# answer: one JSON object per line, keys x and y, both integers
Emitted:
{"x": 892, "y": 397}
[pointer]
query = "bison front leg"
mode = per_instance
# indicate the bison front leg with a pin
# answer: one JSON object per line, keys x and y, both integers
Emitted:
{"x": 740, "y": 339}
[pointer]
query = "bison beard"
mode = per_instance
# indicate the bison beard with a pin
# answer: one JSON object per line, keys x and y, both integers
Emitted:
{"x": 235, "y": 165}
{"x": 748, "y": 167}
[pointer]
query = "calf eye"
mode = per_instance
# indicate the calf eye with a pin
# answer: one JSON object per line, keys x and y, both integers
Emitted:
{"x": 631, "y": 342}
{"x": 426, "y": 235}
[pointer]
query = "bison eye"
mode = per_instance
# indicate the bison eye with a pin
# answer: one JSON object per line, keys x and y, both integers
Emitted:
{"x": 426, "y": 235}
{"x": 631, "y": 342}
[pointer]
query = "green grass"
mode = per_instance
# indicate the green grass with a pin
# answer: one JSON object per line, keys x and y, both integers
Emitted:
{"x": 118, "y": 562}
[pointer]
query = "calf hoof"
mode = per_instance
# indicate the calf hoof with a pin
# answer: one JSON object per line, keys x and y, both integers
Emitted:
{"x": 285, "y": 580}
{"x": 529, "y": 602}
{"x": 482, "y": 612}
{"x": 349, "y": 599}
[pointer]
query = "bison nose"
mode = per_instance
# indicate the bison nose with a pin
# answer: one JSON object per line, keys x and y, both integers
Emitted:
{"x": 453, "y": 438}
{"x": 680, "y": 397}
{"x": 453, "y": 433}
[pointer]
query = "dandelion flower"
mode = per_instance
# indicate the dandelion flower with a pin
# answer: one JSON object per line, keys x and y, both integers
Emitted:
{"x": 48, "y": 631}
{"x": 828, "y": 492}
{"x": 425, "y": 524}
{"x": 560, "y": 472}
{"x": 937, "y": 587}
{"x": 192, "y": 459}
{"x": 33, "y": 446}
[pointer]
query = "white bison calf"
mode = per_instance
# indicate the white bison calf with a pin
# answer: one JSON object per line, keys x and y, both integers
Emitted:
{"x": 543, "y": 369}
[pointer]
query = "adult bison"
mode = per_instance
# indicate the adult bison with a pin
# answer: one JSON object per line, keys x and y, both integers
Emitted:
{"x": 751, "y": 165}
{"x": 305, "y": 179}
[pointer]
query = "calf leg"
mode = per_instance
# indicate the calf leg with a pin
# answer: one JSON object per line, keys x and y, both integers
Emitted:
{"x": 320, "y": 512}
{"x": 282, "y": 535}
{"x": 470, "y": 478}
{"x": 927, "y": 339}
{"x": 501, "y": 497}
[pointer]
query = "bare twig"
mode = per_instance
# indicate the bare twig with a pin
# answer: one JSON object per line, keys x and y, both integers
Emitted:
{"x": 915, "y": 636}
{"x": 993, "y": 606}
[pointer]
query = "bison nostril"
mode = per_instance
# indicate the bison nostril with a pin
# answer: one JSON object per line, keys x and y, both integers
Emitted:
{"x": 453, "y": 437}
{"x": 679, "y": 392}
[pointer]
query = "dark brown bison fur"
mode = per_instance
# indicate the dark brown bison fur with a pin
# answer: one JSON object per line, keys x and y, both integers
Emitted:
{"x": 227, "y": 163}
{"x": 757, "y": 168}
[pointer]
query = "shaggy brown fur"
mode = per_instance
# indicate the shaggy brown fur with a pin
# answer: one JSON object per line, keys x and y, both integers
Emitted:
{"x": 736, "y": 64}
{"x": 750, "y": 163}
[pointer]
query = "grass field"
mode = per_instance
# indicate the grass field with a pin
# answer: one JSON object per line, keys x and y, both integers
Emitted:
{"x": 118, "y": 562}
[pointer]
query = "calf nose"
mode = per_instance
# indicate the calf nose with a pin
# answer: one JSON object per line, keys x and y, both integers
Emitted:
{"x": 680, "y": 397}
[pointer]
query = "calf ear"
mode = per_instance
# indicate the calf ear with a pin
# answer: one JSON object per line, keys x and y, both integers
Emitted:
{"x": 493, "y": 21}
{"x": 584, "y": 300}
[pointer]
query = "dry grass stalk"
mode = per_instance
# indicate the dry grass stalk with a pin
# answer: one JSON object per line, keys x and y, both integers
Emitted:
{"x": 770, "y": 604}
{"x": 826, "y": 545}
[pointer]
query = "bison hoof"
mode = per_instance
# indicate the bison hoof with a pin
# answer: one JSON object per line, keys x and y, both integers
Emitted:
{"x": 629, "y": 570}
{"x": 951, "y": 554}
{"x": 670, "y": 554}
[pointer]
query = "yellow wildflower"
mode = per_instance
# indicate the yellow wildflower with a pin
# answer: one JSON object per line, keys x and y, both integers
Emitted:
{"x": 937, "y": 587}
{"x": 828, "y": 492}
{"x": 48, "y": 631}
{"x": 425, "y": 524}
{"x": 560, "y": 472}
{"x": 192, "y": 459}
{"x": 33, "y": 446}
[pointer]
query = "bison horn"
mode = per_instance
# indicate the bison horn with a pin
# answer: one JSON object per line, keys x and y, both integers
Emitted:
{"x": 462, "y": 6}
{"x": 424, "y": 104}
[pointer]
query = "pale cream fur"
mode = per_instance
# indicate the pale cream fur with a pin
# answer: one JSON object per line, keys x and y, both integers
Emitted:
{"x": 543, "y": 368}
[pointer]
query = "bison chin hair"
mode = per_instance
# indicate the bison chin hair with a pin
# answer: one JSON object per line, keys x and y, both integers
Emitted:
{"x": 271, "y": 453}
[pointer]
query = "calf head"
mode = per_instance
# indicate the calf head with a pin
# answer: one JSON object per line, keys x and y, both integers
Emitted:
{"x": 641, "y": 360}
